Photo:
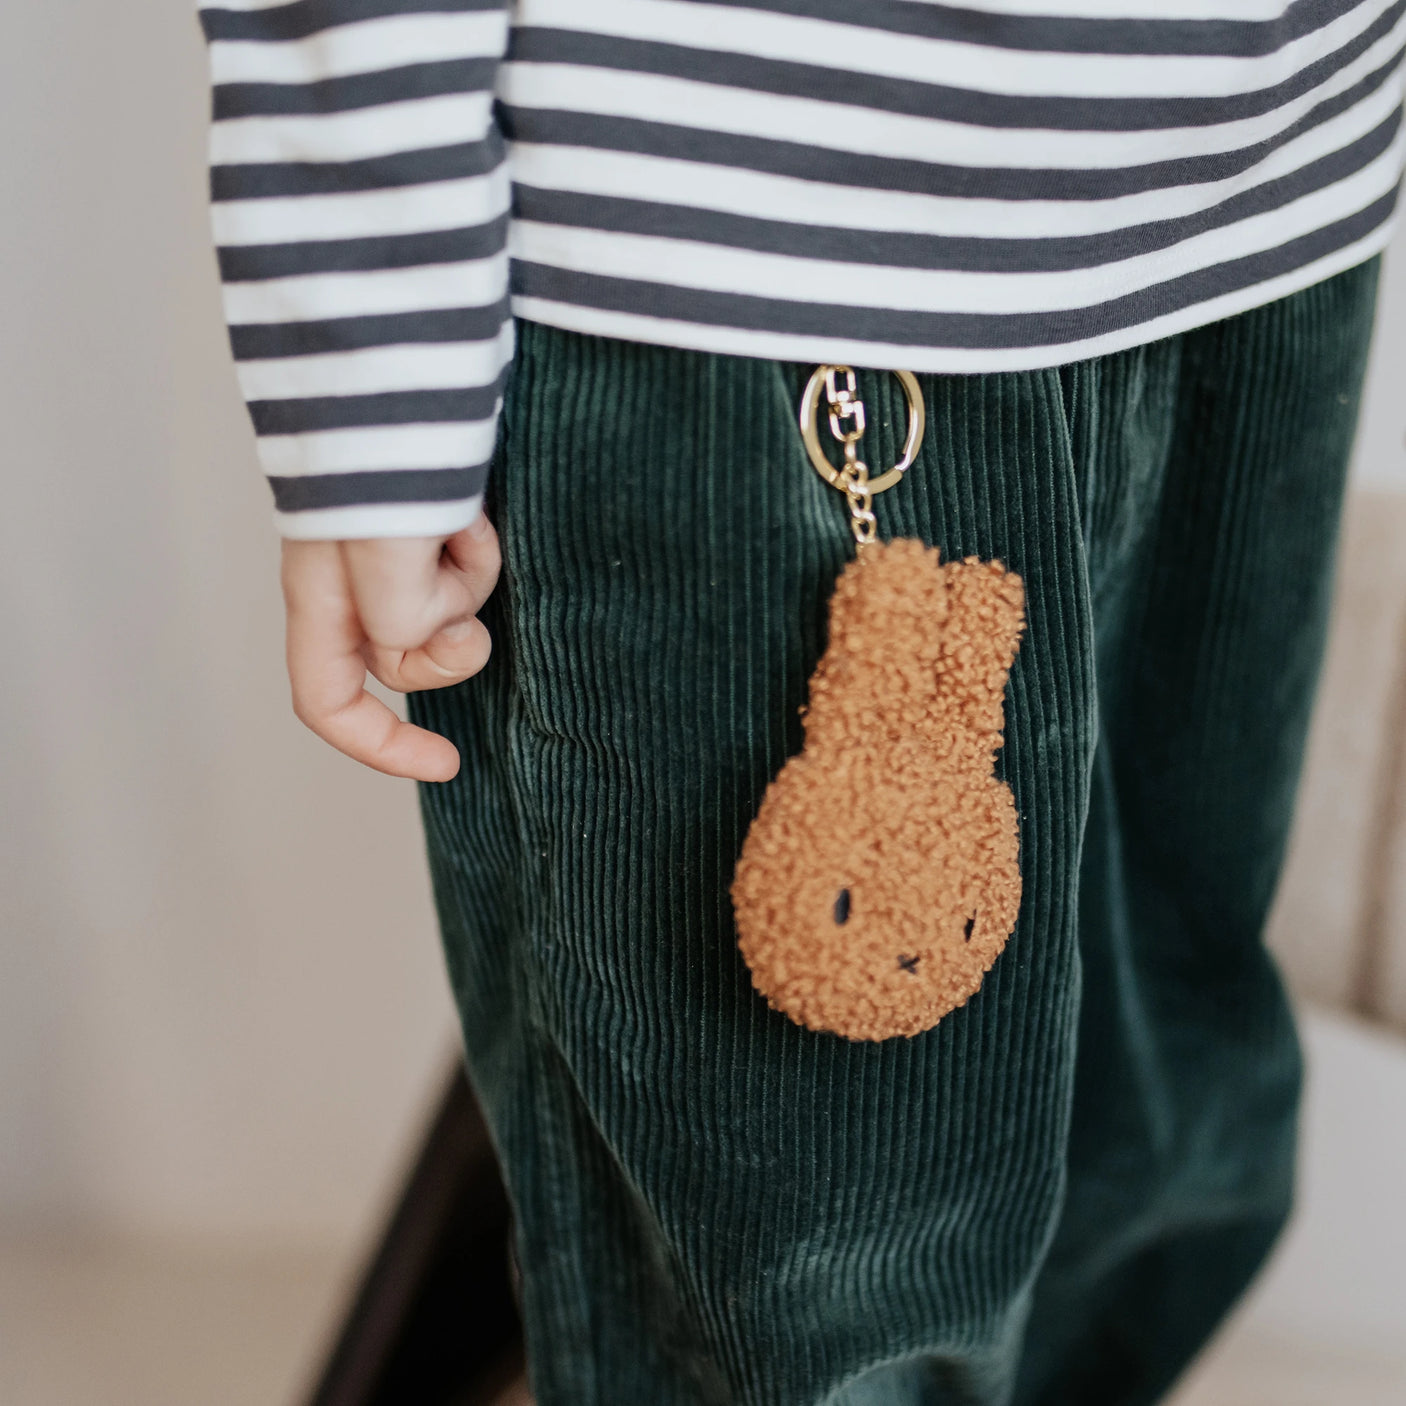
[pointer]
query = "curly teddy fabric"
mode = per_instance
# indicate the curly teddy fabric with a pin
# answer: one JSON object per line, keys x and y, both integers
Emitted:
{"x": 881, "y": 880}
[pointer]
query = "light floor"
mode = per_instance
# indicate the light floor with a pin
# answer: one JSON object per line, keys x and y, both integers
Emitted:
{"x": 113, "y": 1323}
{"x": 110, "y": 1323}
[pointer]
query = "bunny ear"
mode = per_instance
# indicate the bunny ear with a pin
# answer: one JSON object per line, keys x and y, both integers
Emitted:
{"x": 886, "y": 613}
{"x": 891, "y": 585}
{"x": 980, "y": 636}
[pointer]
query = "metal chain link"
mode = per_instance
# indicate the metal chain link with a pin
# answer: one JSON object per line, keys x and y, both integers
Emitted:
{"x": 847, "y": 425}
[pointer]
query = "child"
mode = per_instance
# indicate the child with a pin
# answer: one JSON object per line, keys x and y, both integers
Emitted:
{"x": 1132, "y": 261}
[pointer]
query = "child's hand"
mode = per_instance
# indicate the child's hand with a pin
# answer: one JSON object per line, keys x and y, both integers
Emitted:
{"x": 400, "y": 607}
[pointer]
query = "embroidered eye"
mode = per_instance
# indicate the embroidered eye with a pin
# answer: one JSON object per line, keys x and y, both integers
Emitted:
{"x": 842, "y": 907}
{"x": 967, "y": 931}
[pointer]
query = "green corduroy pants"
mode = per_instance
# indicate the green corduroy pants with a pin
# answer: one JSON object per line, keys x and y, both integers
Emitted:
{"x": 1055, "y": 1194}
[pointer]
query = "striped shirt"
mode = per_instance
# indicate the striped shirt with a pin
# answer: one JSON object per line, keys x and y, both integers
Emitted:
{"x": 967, "y": 187}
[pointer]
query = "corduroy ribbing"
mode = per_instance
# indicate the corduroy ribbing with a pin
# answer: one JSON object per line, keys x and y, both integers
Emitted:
{"x": 716, "y": 1206}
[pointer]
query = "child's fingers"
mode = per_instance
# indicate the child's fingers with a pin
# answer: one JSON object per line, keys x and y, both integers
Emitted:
{"x": 395, "y": 584}
{"x": 452, "y": 655}
{"x": 474, "y": 553}
{"x": 408, "y": 589}
{"x": 368, "y": 732}
{"x": 328, "y": 674}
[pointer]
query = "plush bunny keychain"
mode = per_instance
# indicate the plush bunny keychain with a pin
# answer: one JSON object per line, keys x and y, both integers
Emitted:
{"x": 880, "y": 879}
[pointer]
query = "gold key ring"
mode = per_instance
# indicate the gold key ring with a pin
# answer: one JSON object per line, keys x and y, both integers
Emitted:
{"x": 810, "y": 429}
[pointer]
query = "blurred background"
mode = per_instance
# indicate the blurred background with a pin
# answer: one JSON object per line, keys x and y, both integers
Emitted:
{"x": 223, "y": 1019}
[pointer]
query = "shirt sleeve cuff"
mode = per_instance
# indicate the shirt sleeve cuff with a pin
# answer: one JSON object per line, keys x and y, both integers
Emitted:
{"x": 379, "y": 520}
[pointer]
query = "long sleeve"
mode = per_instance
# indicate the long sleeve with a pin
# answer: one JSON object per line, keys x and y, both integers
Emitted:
{"x": 360, "y": 201}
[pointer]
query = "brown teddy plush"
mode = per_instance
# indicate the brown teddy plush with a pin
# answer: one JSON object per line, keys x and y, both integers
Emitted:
{"x": 880, "y": 879}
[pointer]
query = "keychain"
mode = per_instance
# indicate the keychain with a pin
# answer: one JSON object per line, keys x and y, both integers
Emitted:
{"x": 880, "y": 879}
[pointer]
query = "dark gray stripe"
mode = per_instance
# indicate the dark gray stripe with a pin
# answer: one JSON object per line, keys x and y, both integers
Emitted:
{"x": 958, "y": 331}
{"x": 1069, "y": 35}
{"x": 307, "y": 492}
{"x": 259, "y": 341}
{"x": 393, "y": 85}
{"x": 267, "y": 180}
{"x": 930, "y": 251}
{"x": 906, "y": 97}
{"x": 861, "y": 170}
{"x": 304, "y": 17}
{"x": 335, "y": 412}
{"x": 240, "y": 263}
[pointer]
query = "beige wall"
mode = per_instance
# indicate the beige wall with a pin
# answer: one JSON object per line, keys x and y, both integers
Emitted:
{"x": 220, "y": 996}
{"x": 1340, "y": 919}
{"x": 221, "y": 1004}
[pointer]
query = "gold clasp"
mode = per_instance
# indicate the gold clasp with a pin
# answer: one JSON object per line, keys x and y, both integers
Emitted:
{"x": 845, "y": 404}
{"x": 846, "y": 411}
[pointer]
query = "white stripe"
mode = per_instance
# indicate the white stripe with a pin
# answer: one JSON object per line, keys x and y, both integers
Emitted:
{"x": 352, "y": 136}
{"x": 688, "y": 264}
{"x": 1064, "y": 9}
{"x": 246, "y": 5}
{"x": 1079, "y": 9}
{"x": 855, "y": 47}
{"x": 380, "y": 520}
{"x": 784, "y": 346}
{"x": 362, "y": 214}
{"x": 417, "y": 366}
{"x": 311, "y": 297}
{"x": 368, "y": 448}
{"x": 835, "y": 126}
{"x": 1125, "y": 9}
{"x": 367, "y": 46}
{"x": 761, "y": 195}
{"x": 1259, "y": 10}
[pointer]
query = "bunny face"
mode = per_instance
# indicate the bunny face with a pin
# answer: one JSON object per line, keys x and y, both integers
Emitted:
{"x": 880, "y": 879}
